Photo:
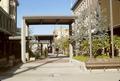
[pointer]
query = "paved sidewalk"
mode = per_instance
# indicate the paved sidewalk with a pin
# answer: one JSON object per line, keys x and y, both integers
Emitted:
{"x": 57, "y": 69}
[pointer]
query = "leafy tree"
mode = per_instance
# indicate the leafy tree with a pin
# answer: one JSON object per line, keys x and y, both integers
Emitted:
{"x": 99, "y": 26}
{"x": 99, "y": 44}
{"x": 84, "y": 47}
{"x": 116, "y": 45}
{"x": 117, "y": 41}
{"x": 62, "y": 43}
{"x": 100, "y": 37}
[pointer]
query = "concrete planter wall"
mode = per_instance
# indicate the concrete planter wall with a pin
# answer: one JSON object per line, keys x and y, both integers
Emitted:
{"x": 80, "y": 64}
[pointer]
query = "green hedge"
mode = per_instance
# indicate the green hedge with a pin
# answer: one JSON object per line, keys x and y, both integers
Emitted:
{"x": 81, "y": 58}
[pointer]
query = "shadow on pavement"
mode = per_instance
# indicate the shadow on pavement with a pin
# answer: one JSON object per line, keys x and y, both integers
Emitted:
{"x": 55, "y": 56}
{"x": 11, "y": 72}
{"x": 59, "y": 57}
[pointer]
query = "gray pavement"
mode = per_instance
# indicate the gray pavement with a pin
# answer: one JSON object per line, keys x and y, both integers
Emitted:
{"x": 57, "y": 69}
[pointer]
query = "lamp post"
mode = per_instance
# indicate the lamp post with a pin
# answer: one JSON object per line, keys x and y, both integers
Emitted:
{"x": 111, "y": 28}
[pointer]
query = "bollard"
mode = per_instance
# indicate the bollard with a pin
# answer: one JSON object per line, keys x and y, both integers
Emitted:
{"x": 117, "y": 69}
{"x": 104, "y": 69}
{"x": 90, "y": 69}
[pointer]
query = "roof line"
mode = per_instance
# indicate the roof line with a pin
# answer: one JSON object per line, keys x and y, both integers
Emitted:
{"x": 51, "y": 17}
{"x": 76, "y": 4}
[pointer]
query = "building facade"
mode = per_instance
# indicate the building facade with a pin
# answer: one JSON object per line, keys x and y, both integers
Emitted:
{"x": 8, "y": 20}
{"x": 98, "y": 7}
{"x": 8, "y": 12}
{"x": 61, "y": 32}
{"x": 88, "y": 11}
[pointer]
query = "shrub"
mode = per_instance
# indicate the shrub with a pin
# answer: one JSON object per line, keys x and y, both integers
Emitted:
{"x": 82, "y": 58}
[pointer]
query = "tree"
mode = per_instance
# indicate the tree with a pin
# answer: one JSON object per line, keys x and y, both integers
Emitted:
{"x": 99, "y": 29}
{"x": 117, "y": 41}
{"x": 63, "y": 44}
{"x": 80, "y": 30}
{"x": 99, "y": 44}
{"x": 116, "y": 44}
{"x": 84, "y": 47}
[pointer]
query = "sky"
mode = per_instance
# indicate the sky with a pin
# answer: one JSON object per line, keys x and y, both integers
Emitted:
{"x": 43, "y": 8}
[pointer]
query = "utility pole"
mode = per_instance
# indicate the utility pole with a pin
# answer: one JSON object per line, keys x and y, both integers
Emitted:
{"x": 111, "y": 28}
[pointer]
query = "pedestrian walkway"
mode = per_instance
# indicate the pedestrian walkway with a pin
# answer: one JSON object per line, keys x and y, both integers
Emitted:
{"x": 56, "y": 69}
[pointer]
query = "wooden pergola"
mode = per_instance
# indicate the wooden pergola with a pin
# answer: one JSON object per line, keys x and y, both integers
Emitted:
{"x": 44, "y": 37}
{"x": 43, "y": 20}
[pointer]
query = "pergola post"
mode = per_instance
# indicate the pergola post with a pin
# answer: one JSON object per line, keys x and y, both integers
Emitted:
{"x": 27, "y": 42}
{"x": 23, "y": 42}
{"x": 31, "y": 20}
{"x": 41, "y": 49}
{"x": 70, "y": 44}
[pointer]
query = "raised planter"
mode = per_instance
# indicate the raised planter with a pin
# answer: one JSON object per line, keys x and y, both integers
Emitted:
{"x": 80, "y": 64}
{"x": 103, "y": 64}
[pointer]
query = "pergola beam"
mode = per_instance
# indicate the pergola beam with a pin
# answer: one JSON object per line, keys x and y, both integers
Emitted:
{"x": 48, "y": 20}
{"x": 44, "y": 20}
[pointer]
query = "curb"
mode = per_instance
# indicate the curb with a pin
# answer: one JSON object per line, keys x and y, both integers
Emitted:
{"x": 80, "y": 64}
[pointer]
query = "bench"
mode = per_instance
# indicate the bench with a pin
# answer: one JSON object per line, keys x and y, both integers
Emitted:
{"x": 103, "y": 64}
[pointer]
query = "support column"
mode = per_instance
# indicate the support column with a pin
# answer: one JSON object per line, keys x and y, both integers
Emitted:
{"x": 27, "y": 50}
{"x": 5, "y": 49}
{"x": 53, "y": 45}
{"x": 53, "y": 50}
{"x": 27, "y": 42}
{"x": 70, "y": 52}
{"x": 41, "y": 49}
{"x": 70, "y": 44}
{"x": 50, "y": 47}
{"x": 23, "y": 42}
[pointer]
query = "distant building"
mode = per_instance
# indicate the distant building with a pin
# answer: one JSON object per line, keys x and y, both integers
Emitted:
{"x": 18, "y": 31}
{"x": 59, "y": 35}
{"x": 61, "y": 32}
{"x": 8, "y": 25}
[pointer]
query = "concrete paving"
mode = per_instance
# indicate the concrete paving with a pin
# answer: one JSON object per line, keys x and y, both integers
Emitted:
{"x": 56, "y": 69}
